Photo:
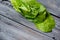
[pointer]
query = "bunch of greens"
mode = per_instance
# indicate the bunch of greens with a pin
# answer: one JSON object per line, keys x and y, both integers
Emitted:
{"x": 36, "y": 13}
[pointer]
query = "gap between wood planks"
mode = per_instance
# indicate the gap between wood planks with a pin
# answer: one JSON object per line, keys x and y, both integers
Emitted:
{"x": 50, "y": 13}
{"x": 27, "y": 26}
{"x": 32, "y": 28}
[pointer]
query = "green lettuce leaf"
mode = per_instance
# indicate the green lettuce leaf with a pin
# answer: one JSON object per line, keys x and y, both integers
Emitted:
{"x": 35, "y": 12}
{"x": 47, "y": 25}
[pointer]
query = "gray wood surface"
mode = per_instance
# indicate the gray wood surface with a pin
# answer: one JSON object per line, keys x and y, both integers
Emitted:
{"x": 14, "y": 26}
{"x": 19, "y": 32}
{"x": 52, "y": 5}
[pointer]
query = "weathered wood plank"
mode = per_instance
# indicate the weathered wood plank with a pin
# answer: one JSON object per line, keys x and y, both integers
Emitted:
{"x": 4, "y": 36}
{"x": 20, "y": 32}
{"x": 52, "y": 5}
{"x": 17, "y": 17}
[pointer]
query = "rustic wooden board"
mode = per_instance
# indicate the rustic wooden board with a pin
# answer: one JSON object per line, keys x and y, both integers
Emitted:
{"x": 11, "y": 18}
{"x": 52, "y": 5}
{"x": 19, "y": 32}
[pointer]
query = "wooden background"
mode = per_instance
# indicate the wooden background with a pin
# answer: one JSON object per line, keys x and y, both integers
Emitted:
{"x": 14, "y": 26}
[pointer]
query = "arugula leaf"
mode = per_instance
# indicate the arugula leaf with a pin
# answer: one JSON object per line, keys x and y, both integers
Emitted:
{"x": 35, "y": 12}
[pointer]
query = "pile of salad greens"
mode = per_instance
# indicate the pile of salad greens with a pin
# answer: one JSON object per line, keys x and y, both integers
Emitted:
{"x": 35, "y": 12}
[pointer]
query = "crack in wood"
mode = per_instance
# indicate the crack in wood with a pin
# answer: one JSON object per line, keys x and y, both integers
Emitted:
{"x": 28, "y": 27}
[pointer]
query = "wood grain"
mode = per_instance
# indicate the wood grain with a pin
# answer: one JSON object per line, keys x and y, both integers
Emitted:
{"x": 15, "y": 27}
{"x": 19, "y": 32}
{"x": 52, "y": 6}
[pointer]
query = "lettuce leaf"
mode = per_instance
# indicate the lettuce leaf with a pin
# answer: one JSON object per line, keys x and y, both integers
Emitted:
{"x": 35, "y": 12}
{"x": 47, "y": 25}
